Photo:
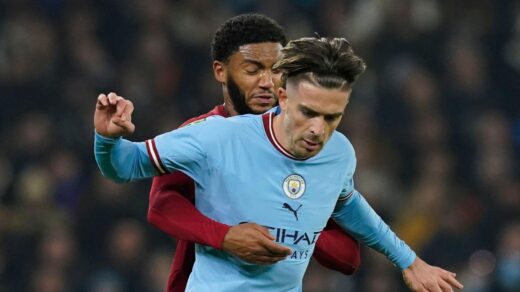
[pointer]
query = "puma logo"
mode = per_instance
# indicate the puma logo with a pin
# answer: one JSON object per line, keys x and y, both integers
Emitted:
{"x": 295, "y": 212}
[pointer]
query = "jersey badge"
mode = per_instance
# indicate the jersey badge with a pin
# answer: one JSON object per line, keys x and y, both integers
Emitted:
{"x": 294, "y": 186}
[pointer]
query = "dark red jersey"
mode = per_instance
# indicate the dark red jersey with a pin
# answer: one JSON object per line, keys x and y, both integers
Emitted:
{"x": 172, "y": 210}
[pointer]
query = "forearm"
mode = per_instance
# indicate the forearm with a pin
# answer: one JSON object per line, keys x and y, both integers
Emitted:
{"x": 122, "y": 160}
{"x": 171, "y": 209}
{"x": 359, "y": 219}
{"x": 177, "y": 216}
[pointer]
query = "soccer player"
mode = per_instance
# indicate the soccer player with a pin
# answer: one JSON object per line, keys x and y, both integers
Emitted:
{"x": 288, "y": 170}
{"x": 244, "y": 49}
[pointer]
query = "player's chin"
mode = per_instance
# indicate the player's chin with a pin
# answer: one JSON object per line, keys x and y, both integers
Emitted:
{"x": 304, "y": 153}
{"x": 260, "y": 108}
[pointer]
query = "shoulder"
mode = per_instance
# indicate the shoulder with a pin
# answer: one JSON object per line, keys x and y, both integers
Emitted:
{"x": 194, "y": 120}
{"x": 206, "y": 124}
{"x": 341, "y": 143}
{"x": 244, "y": 121}
{"x": 219, "y": 110}
{"x": 217, "y": 127}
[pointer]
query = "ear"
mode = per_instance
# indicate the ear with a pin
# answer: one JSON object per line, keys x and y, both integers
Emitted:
{"x": 219, "y": 71}
{"x": 282, "y": 98}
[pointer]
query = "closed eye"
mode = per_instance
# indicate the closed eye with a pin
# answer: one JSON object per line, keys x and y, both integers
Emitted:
{"x": 252, "y": 70}
{"x": 332, "y": 118}
{"x": 308, "y": 113}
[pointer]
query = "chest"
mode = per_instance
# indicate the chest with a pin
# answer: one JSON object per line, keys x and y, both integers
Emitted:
{"x": 256, "y": 183}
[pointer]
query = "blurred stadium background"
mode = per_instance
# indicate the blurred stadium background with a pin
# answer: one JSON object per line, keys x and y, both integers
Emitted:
{"x": 435, "y": 121}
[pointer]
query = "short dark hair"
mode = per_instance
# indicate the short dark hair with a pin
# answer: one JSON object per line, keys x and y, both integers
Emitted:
{"x": 328, "y": 62}
{"x": 245, "y": 29}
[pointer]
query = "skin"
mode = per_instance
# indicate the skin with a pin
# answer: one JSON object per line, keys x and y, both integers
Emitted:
{"x": 310, "y": 114}
{"x": 250, "y": 69}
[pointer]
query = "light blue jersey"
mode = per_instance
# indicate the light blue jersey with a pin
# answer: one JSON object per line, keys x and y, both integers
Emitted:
{"x": 242, "y": 174}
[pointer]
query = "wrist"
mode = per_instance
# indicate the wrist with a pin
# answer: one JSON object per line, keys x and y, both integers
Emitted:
{"x": 106, "y": 139}
{"x": 222, "y": 231}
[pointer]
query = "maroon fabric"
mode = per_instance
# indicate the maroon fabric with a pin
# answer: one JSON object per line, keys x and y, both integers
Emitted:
{"x": 337, "y": 250}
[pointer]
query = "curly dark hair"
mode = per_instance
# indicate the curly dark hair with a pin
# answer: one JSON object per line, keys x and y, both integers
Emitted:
{"x": 328, "y": 62}
{"x": 245, "y": 29}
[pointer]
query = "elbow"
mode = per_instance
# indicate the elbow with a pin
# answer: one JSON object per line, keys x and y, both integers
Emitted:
{"x": 159, "y": 221}
{"x": 115, "y": 177}
{"x": 346, "y": 262}
{"x": 153, "y": 218}
{"x": 338, "y": 251}
{"x": 349, "y": 260}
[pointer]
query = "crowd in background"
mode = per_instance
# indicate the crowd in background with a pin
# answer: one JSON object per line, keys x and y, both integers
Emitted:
{"x": 435, "y": 121}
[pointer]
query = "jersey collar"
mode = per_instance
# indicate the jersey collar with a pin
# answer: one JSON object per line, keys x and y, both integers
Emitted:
{"x": 267, "y": 120}
{"x": 220, "y": 110}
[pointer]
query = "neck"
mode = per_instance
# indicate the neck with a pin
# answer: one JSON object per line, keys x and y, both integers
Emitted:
{"x": 279, "y": 133}
{"x": 230, "y": 109}
{"x": 228, "y": 104}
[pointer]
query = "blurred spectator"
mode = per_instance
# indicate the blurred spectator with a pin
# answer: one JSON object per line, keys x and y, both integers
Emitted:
{"x": 435, "y": 121}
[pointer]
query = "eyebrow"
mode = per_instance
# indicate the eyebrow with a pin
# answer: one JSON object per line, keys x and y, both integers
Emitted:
{"x": 316, "y": 113}
{"x": 254, "y": 62}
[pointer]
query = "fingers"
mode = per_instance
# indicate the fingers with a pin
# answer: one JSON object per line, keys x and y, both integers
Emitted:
{"x": 126, "y": 116}
{"x": 123, "y": 115}
{"x": 445, "y": 282}
{"x": 434, "y": 288}
{"x": 113, "y": 115}
{"x": 113, "y": 98}
{"x": 254, "y": 244}
{"x": 451, "y": 280}
{"x": 102, "y": 101}
{"x": 264, "y": 231}
{"x": 445, "y": 287}
{"x": 276, "y": 249}
{"x": 124, "y": 109}
{"x": 421, "y": 277}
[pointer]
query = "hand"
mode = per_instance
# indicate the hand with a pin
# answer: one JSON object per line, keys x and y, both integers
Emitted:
{"x": 254, "y": 244}
{"x": 113, "y": 116}
{"x": 421, "y": 277}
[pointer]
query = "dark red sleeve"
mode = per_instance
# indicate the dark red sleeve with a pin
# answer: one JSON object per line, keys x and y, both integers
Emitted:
{"x": 172, "y": 211}
{"x": 337, "y": 250}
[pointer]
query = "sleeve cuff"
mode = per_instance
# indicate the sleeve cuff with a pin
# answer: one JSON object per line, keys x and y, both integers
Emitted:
{"x": 106, "y": 140}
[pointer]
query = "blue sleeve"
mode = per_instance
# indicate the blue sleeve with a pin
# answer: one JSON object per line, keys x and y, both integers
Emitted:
{"x": 350, "y": 168}
{"x": 186, "y": 149}
{"x": 357, "y": 217}
{"x": 122, "y": 160}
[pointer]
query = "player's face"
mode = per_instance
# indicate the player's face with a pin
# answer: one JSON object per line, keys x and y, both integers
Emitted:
{"x": 249, "y": 82}
{"x": 310, "y": 114}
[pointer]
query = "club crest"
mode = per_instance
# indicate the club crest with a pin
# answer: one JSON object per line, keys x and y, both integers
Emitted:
{"x": 294, "y": 186}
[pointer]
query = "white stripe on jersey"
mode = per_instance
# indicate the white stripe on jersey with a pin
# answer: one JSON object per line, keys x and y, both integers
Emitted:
{"x": 155, "y": 156}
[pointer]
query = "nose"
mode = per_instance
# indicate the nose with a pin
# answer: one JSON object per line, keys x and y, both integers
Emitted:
{"x": 317, "y": 127}
{"x": 267, "y": 79}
